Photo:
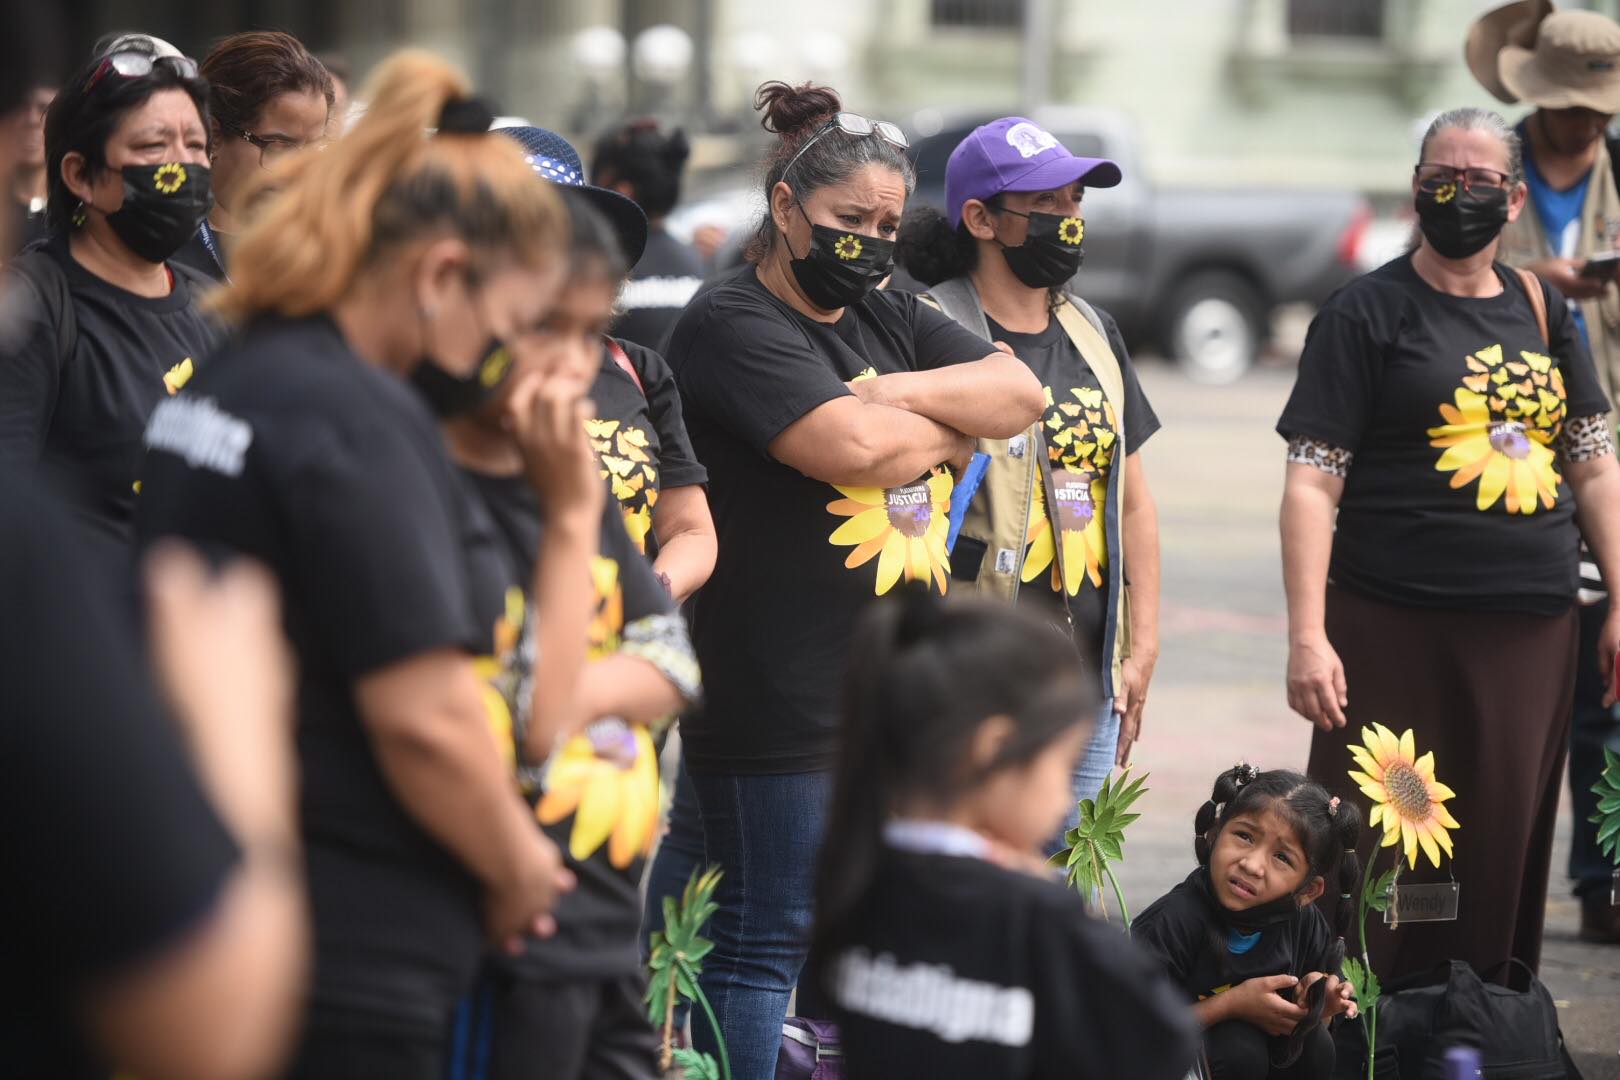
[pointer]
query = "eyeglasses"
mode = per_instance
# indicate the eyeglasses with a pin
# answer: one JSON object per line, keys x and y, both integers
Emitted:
{"x": 1432, "y": 177}
{"x": 271, "y": 148}
{"x": 857, "y": 125}
{"x": 134, "y": 64}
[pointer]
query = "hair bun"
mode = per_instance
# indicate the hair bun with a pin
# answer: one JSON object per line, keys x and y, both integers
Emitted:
{"x": 676, "y": 150}
{"x": 792, "y": 110}
{"x": 920, "y": 612}
{"x": 465, "y": 116}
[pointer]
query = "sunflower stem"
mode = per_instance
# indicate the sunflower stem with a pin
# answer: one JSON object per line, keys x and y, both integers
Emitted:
{"x": 1119, "y": 898}
{"x": 714, "y": 1024}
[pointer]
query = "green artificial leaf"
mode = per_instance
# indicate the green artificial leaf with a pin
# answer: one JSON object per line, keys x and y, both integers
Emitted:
{"x": 696, "y": 1065}
{"x": 1354, "y": 974}
{"x": 680, "y": 941}
{"x": 1607, "y": 818}
{"x": 1378, "y": 890}
{"x": 1099, "y": 838}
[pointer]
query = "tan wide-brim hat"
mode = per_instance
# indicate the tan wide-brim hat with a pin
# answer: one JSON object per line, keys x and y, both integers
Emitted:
{"x": 1575, "y": 63}
{"x": 1510, "y": 24}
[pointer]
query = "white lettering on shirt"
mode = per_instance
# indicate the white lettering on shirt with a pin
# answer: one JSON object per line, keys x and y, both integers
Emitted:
{"x": 930, "y": 997}
{"x": 658, "y": 292}
{"x": 201, "y": 433}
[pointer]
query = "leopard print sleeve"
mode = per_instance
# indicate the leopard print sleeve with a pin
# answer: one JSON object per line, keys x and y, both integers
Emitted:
{"x": 1585, "y": 438}
{"x": 1318, "y": 454}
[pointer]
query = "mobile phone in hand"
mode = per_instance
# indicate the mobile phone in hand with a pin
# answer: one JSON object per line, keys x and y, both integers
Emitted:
{"x": 1601, "y": 265}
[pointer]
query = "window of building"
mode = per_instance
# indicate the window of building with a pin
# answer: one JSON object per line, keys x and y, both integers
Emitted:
{"x": 1002, "y": 14}
{"x": 1336, "y": 19}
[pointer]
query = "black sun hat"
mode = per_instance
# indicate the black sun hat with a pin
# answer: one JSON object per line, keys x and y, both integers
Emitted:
{"x": 555, "y": 159}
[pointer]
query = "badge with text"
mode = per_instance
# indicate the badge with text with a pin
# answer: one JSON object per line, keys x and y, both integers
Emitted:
{"x": 1435, "y": 902}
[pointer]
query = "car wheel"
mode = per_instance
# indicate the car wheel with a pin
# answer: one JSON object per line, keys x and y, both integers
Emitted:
{"x": 1214, "y": 326}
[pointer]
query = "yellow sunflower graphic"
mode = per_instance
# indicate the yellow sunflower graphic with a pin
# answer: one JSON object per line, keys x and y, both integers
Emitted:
{"x": 1506, "y": 415}
{"x": 497, "y": 678}
{"x": 1081, "y": 497}
{"x": 177, "y": 376}
{"x": 1406, "y": 797}
{"x": 638, "y": 523}
{"x": 847, "y": 247}
{"x": 608, "y": 619}
{"x": 1071, "y": 230}
{"x": 904, "y": 528}
{"x": 1445, "y": 193}
{"x": 169, "y": 178}
{"x": 607, "y": 777}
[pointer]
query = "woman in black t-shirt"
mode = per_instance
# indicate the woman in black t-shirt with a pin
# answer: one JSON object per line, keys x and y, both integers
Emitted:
{"x": 822, "y": 499}
{"x": 374, "y": 290}
{"x": 1009, "y": 245}
{"x": 942, "y": 940}
{"x": 108, "y": 327}
{"x": 1448, "y": 421}
{"x": 267, "y": 98}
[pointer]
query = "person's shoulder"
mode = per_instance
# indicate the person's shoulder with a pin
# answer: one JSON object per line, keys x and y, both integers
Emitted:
{"x": 1177, "y": 906}
{"x": 649, "y": 363}
{"x": 1375, "y": 291}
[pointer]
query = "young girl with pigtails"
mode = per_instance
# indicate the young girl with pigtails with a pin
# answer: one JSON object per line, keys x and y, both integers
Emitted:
{"x": 1243, "y": 936}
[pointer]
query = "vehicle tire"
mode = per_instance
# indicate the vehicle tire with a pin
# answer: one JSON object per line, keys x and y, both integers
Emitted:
{"x": 1214, "y": 326}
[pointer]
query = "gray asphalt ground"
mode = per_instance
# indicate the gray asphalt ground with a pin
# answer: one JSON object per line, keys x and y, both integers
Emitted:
{"x": 1216, "y": 469}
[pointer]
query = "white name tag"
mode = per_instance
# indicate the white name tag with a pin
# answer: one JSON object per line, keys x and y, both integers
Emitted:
{"x": 1422, "y": 903}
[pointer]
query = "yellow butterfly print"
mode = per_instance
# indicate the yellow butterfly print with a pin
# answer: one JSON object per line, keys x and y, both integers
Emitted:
{"x": 601, "y": 429}
{"x": 1540, "y": 363}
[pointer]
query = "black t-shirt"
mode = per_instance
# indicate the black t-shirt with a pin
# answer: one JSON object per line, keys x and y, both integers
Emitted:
{"x": 1452, "y": 407}
{"x": 598, "y": 923}
{"x": 1205, "y": 955}
{"x": 640, "y": 437}
{"x": 663, "y": 282}
{"x": 1081, "y": 444}
{"x": 293, "y": 450}
{"x": 957, "y": 967}
{"x": 82, "y": 416}
{"x": 112, "y": 852}
{"x": 799, "y": 559}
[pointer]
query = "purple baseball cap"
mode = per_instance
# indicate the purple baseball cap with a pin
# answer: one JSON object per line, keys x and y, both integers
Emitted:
{"x": 1015, "y": 154}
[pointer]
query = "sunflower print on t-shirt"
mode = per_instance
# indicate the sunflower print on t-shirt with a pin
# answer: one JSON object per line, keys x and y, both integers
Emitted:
{"x": 629, "y": 468}
{"x": 1082, "y": 437}
{"x": 1501, "y": 429}
{"x": 903, "y": 527}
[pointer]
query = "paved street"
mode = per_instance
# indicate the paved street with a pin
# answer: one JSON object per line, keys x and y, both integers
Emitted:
{"x": 1217, "y": 469}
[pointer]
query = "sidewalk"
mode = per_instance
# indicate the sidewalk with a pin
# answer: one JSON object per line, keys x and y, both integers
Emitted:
{"x": 1216, "y": 471}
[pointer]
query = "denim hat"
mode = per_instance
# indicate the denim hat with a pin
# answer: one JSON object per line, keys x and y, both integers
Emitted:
{"x": 554, "y": 158}
{"x": 1015, "y": 154}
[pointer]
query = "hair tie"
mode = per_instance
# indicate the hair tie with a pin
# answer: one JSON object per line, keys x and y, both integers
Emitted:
{"x": 1244, "y": 773}
{"x": 465, "y": 116}
{"x": 1345, "y": 896}
{"x": 1333, "y": 807}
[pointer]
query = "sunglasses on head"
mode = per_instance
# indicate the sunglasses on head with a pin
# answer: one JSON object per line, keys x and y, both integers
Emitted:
{"x": 857, "y": 125}
{"x": 135, "y": 64}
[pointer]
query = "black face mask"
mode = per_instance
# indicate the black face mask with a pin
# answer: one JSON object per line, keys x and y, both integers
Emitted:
{"x": 841, "y": 267}
{"x": 163, "y": 205}
{"x": 1051, "y": 253}
{"x": 1459, "y": 223}
{"x": 452, "y": 395}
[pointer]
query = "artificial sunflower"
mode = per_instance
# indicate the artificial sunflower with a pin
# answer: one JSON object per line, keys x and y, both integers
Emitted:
{"x": 1406, "y": 797}
{"x": 847, "y": 247}
{"x": 1505, "y": 449}
{"x": 1071, "y": 230}
{"x": 1445, "y": 193}
{"x": 904, "y": 528}
{"x": 607, "y": 777}
{"x": 169, "y": 178}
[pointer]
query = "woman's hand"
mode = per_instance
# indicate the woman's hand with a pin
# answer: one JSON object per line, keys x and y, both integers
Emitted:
{"x": 1258, "y": 1002}
{"x": 1565, "y": 275}
{"x": 521, "y": 905}
{"x": 1338, "y": 997}
{"x": 1136, "y": 673}
{"x": 547, "y": 417}
{"x": 1608, "y": 648}
{"x": 1316, "y": 686}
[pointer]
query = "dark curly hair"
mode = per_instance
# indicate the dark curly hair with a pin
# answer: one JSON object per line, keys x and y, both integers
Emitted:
{"x": 796, "y": 115}
{"x": 648, "y": 160}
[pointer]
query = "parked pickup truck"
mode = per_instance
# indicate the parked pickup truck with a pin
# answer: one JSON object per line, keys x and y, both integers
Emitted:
{"x": 1195, "y": 271}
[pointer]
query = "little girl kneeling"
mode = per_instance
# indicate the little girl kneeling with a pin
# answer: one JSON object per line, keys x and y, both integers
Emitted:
{"x": 944, "y": 947}
{"x": 1243, "y": 936}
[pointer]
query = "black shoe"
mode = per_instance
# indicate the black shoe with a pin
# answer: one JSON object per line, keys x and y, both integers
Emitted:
{"x": 1600, "y": 921}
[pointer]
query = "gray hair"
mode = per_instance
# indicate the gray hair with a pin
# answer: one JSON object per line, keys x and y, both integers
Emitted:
{"x": 1472, "y": 118}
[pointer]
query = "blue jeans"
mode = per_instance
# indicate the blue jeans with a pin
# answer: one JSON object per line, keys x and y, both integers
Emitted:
{"x": 679, "y": 853}
{"x": 765, "y": 832}
{"x": 1097, "y": 761}
{"x": 1591, "y": 729}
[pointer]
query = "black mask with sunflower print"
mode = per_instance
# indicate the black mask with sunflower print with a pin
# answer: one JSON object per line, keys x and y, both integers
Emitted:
{"x": 1458, "y": 222}
{"x": 841, "y": 267}
{"x": 163, "y": 205}
{"x": 1051, "y": 253}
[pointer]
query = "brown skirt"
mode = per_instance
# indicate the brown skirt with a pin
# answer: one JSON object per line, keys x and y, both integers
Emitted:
{"x": 1490, "y": 695}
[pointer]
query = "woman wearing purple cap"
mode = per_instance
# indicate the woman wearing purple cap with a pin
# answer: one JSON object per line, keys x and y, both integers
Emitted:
{"x": 1061, "y": 527}
{"x": 827, "y": 413}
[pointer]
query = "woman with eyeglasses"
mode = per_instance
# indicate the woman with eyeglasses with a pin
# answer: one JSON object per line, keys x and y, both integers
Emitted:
{"x": 1447, "y": 447}
{"x": 832, "y": 417}
{"x": 109, "y": 326}
{"x": 267, "y": 97}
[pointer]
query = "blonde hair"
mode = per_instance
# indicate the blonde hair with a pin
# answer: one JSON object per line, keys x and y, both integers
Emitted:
{"x": 334, "y": 214}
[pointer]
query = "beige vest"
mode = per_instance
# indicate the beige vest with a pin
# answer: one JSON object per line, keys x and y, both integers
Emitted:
{"x": 1526, "y": 240}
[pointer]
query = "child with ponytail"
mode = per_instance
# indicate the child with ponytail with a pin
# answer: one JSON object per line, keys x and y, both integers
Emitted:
{"x": 1243, "y": 936}
{"x": 942, "y": 945}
